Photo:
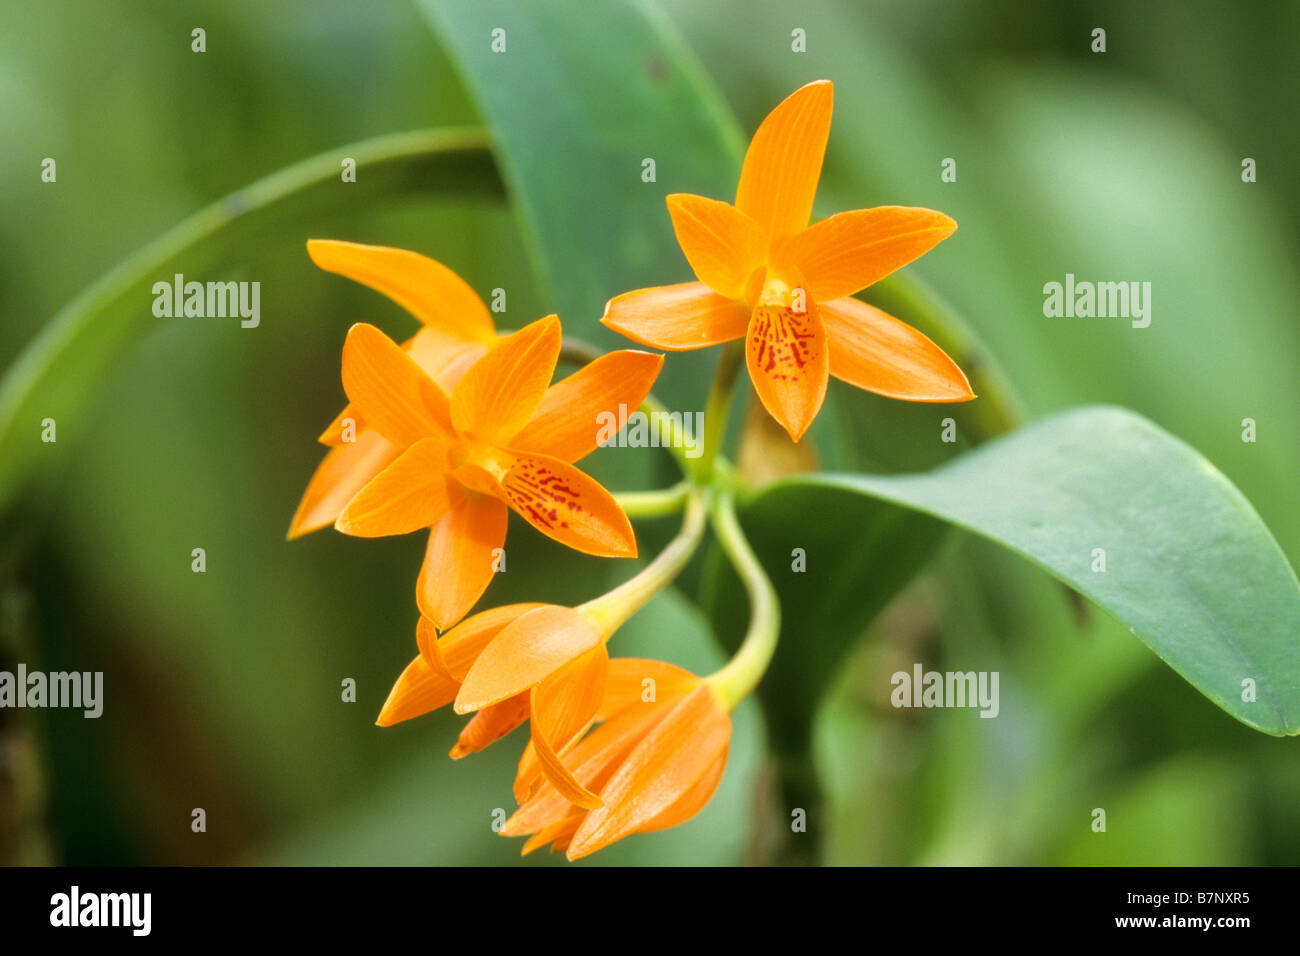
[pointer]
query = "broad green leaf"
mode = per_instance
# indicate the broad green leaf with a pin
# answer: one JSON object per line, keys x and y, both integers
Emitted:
{"x": 1189, "y": 566}
{"x": 82, "y": 343}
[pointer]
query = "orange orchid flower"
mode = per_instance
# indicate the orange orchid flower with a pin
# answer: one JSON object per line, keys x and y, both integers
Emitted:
{"x": 654, "y": 763}
{"x": 456, "y": 330}
{"x": 785, "y": 287}
{"x": 526, "y": 662}
{"x": 504, "y": 439}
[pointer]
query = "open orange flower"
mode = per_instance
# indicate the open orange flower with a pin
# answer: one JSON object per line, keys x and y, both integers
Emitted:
{"x": 785, "y": 287}
{"x": 456, "y": 330}
{"x": 505, "y": 438}
{"x": 654, "y": 762}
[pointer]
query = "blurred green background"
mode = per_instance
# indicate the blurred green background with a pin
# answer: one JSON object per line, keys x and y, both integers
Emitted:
{"x": 223, "y": 688}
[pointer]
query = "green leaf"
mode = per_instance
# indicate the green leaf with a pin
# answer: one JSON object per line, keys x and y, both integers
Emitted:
{"x": 1189, "y": 566}
{"x": 583, "y": 95}
{"x": 59, "y": 370}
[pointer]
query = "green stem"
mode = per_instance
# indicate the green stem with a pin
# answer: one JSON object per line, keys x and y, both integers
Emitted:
{"x": 611, "y": 610}
{"x": 653, "y": 504}
{"x": 715, "y": 412}
{"x": 742, "y": 673}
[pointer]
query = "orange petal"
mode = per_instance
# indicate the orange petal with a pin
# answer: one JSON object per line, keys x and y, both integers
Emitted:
{"x": 676, "y": 317}
{"x": 563, "y": 707}
{"x": 592, "y": 761}
{"x": 332, "y": 436}
{"x": 393, "y": 393}
{"x": 424, "y": 287}
{"x": 419, "y": 690}
{"x": 784, "y": 162}
{"x": 568, "y": 421}
{"x": 631, "y": 684}
{"x": 409, "y": 494}
{"x": 873, "y": 350}
{"x": 565, "y": 504}
{"x": 661, "y": 770}
{"x": 640, "y": 681}
{"x": 692, "y": 801}
{"x": 500, "y": 392}
{"x": 721, "y": 243}
{"x": 459, "y": 648}
{"x": 343, "y": 472}
{"x": 491, "y": 724}
{"x": 525, "y": 653}
{"x": 460, "y": 559}
{"x": 559, "y": 832}
{"x": 848, "y": 252}
{"x": 787, "y": 358}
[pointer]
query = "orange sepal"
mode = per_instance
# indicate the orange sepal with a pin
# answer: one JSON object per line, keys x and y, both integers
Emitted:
{"x": 566, "y": 423}
{"x": 394, "y": 394}
{"x": 563, "y": 706}
{"x": 871, "y": 349}
{"x": 721, "y": 243}
{"x": 499, "y": 393}
{"x": 418, "y": 690}
{"x": 661, "y": 770}
{"x": 460, "y": 559}
{"x": 849, "y": 251}
{"x": 676, "y": 318}
{"x": 524, "y": 654}
{"x": 784, "y": 161}
{"x": 491, "y": 724}
{"x": 424, "y": 287}
{"x": 343, "y": 472}
{"x": 411, "y": 493}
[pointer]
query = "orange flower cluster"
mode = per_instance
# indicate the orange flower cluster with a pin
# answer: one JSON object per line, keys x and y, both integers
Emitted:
{"x": 459, "y": 425}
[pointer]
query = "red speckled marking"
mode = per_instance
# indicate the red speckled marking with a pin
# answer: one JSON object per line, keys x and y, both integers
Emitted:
{"x": 539, "y": 492}
{"x": 782, "y": 343}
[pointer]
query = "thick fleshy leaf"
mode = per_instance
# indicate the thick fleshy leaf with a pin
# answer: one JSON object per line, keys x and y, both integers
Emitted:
{"x": 566, "y": 504}
{"x": 410, "y": 494}
{"x": 784, "y": 162}
{"x": 426, "y": 288}
{"x": 491, "y": 724}
{"x": 662, "y": 769}
{"x": 393, "y": 393}
{"x": 788, "y": 363}
{"x": 461, "y": 558}
{"x": 849, "y": 251}
{"x": 343, "y": 472}
{"x": 871, "y": 349}
{"x": 499, "y": 393}
{"x": 721, "y": 243}
{"x": 1190, "y": 567}
{"x": 563, "y": 707}
{"x": 524, "y": 654}
{"x": 569, "y": 420}
{"x": 676, "y": 318}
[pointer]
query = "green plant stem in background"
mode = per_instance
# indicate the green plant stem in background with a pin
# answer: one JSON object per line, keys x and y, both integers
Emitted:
{"x": 653, "y": 504}
{"x": 742, "y": 673}
{"x": 998, "y": 408}
{"x": 612, "y": 609}
{"x": 55, "y": 375}
{"x": 719, "y": 402}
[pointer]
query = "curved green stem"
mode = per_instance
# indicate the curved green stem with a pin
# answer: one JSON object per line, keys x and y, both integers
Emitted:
{"x": 653, "y": 504}
{"x": 611, "y": 610}
{"x": 742, "y": 673}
